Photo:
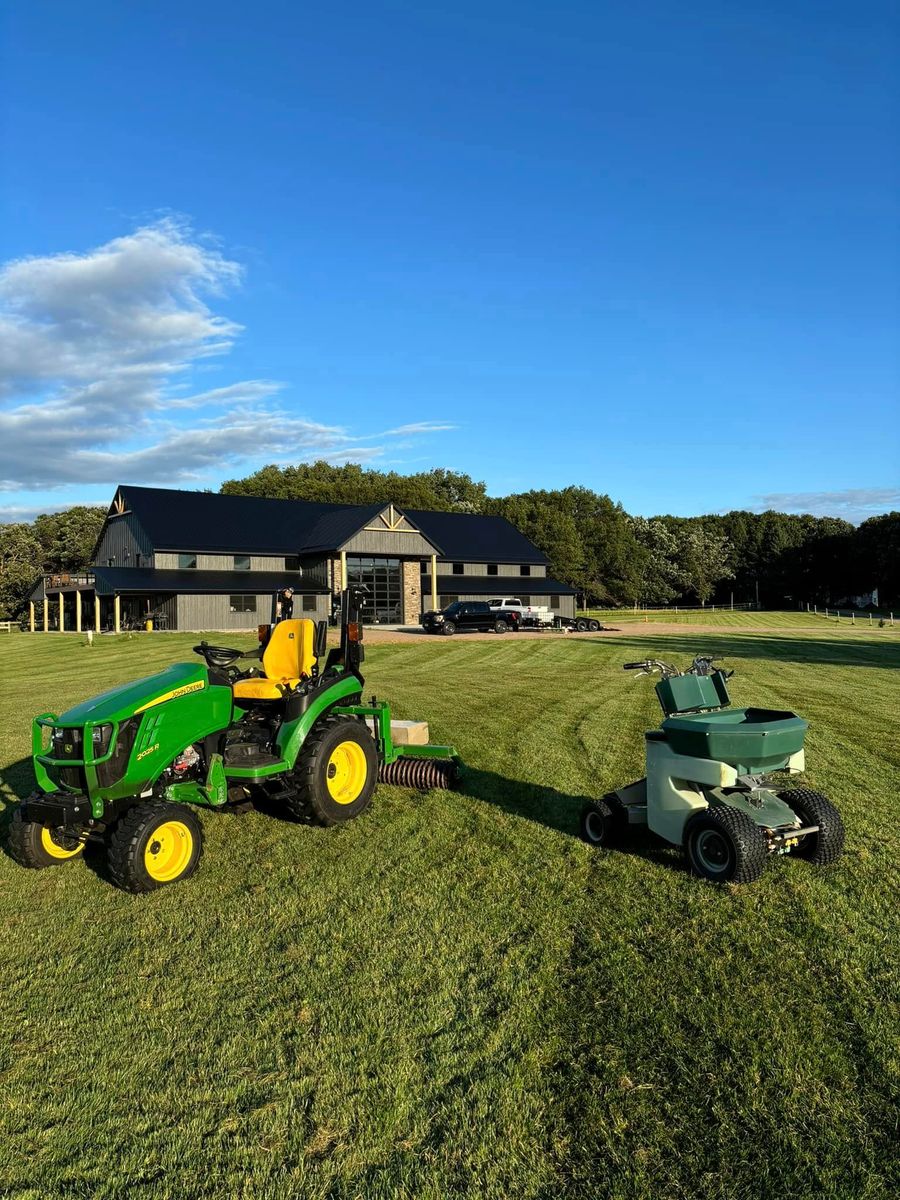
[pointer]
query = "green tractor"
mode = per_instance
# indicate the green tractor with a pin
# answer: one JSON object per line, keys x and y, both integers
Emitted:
{"x": 128, "y": 769}
{"x": 710, "y": 786}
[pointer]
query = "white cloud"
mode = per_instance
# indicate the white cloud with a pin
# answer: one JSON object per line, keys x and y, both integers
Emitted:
{"x": 853, "y": 504}
{"x": 96, "y": 351}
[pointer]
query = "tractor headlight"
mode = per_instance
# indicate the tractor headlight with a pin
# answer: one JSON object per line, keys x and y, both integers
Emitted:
{"x": 100, "y": 736}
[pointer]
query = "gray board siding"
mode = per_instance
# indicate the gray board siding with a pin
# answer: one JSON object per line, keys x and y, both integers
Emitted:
{"x": 390, "y": 543}
{"x": 202, "y": 612}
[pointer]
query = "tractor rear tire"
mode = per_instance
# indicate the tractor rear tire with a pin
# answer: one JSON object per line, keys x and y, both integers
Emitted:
{"x": 813, "y": 808}
{"x": 154, "y": 844}
{"x": 724, "y": 845}
{"x": 335, "y": 772}
{"x": 603, "y": 823}
{"x": 37, "y": 846}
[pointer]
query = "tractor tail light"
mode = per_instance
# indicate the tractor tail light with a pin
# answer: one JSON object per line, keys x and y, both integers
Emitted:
{"x": 354, "y": 631}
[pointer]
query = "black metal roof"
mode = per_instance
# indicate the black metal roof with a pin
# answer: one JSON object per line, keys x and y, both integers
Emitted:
{"x": 471, "y": 537}
{"x": 497, "y": 585}
{"x": 148, "y": 579}
{"x": 225, "y": 524}
{"x": 208, "y": 521}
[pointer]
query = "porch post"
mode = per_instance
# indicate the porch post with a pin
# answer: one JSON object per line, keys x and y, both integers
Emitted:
{"x": 62, "y": 613}
{"x": 343, "y": 570}
{"x": 78, "y": 610}
{"x": 31, "y": 615}
{"x": 434, "y": 602}
{"x": 117, "y": 609}
{"x": 96, "y": 610}
{"x": 46, "y": 614}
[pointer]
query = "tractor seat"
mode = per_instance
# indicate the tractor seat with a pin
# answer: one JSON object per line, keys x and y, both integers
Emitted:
{"x": 288, "y": 658}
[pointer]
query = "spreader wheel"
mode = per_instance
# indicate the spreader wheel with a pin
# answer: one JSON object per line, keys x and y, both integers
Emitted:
{"x": 813, "y": 808}
{"x": 603, "y": 822}
{"x": 724, "y": 845}
{"x": 335, "y": 773}
{"x": 154, "y": 844}
{"x": 34, "y": 845}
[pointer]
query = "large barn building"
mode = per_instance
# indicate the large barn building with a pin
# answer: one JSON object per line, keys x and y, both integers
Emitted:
{"x": 202, "y": 561}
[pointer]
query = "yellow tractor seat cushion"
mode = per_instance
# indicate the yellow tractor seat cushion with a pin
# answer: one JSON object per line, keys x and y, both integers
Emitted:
{"x": 262, "y": 689}
{"x": 288, "y": 657}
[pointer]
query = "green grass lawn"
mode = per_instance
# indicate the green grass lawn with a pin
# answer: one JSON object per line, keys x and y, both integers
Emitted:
{"x": 454, "y": 996}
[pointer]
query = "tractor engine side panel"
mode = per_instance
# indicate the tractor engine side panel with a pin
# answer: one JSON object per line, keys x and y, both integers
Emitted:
{"x": 168, "y": 728}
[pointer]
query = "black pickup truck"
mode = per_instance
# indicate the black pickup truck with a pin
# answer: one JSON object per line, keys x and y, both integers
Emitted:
{"x": 463, "y": 615}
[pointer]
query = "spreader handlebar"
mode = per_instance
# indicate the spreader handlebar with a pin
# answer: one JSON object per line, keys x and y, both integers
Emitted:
{"x": 633, "y": 666}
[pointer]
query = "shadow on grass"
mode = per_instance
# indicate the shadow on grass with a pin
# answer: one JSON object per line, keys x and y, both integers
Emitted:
{"x": 561, "y": 812}
{"x": 842, "y": 652}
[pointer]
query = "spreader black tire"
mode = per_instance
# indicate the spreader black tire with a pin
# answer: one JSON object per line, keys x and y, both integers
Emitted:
{"x": 813, "y": 808}
{"x": 603, "y": 823}
{"x": 154, "y": 844}
{"x": 594, "y": 626}
{"x": 335, "y": 773}
{"x": 500, "y": 627}
{"x": 724, "y": 845}
{"x": 581, "y": 625}
{"x": 36, "y": 846}
{"x": 448, "y": 629}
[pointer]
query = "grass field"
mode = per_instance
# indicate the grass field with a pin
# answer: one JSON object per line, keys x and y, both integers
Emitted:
{"x": 453, "y": 996}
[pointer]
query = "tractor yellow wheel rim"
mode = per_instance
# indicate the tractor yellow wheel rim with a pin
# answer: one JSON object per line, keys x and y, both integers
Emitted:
{"x": 347, "y": 772}
{"x": 56, "y": 846}
{"x": 168, "y": 851}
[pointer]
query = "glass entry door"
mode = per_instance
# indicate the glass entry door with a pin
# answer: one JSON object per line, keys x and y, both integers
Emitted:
{"x": 381, "y": 577}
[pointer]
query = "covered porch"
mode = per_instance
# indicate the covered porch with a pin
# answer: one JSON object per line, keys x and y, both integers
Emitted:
{"x": 75, "y": 603}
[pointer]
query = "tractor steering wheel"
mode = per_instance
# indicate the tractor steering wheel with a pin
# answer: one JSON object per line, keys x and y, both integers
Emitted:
{"x": 218, "y": 657}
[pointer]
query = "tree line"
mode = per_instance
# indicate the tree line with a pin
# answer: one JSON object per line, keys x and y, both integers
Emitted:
{"x": 593, "y": 544}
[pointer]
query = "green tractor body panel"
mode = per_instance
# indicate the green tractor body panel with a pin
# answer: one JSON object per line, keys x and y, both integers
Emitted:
{"x": 140, "y": 694}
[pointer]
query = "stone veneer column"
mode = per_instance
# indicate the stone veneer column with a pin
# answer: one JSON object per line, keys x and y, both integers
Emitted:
{"x": 412, "y": 592}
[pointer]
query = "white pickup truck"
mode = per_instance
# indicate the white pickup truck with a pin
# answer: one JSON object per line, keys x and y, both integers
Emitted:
{"x": 534, "y": 616}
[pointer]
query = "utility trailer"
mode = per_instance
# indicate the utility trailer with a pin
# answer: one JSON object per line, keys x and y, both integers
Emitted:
{"x": 535, "y": 616}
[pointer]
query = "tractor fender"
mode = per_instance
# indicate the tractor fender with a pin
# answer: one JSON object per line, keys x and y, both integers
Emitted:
{"x": 292, "y": 735}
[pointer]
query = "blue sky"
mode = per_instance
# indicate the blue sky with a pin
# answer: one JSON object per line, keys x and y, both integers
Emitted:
{"x": 649, "y": 248}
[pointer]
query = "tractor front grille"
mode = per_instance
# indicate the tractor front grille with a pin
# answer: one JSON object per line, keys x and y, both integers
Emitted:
{"x": 114, "y": 768}
{"x": 67, "y": 743}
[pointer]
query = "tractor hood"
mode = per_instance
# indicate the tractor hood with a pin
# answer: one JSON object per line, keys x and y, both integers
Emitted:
{"x": 121, "y": 702}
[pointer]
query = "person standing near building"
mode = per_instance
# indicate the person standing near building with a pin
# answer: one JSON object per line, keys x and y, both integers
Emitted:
{"x": 284, "y": 608}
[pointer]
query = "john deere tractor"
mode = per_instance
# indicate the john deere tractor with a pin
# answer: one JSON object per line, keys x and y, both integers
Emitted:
{"x": 716, "y": 782}
{"x": 128, "y": 769}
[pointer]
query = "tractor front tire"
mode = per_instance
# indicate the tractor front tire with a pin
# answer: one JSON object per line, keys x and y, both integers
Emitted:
{"x": 335, "y": 772}
{"x": 37, "y": 846}
{"x": 154, "y": 844}
{"x": 724, "y": 845}
{"x": 813, "y": 808}
{"x": 603, "y": 823}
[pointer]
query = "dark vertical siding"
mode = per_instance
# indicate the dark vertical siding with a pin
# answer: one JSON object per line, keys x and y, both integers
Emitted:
{"x": 123, "y": 534}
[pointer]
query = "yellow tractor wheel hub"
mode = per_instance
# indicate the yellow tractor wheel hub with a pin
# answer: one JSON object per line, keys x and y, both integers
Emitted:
{"x": 57, "y": 849}
{"x": 168, "y": 851}
{"x": 347, "y": 772}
